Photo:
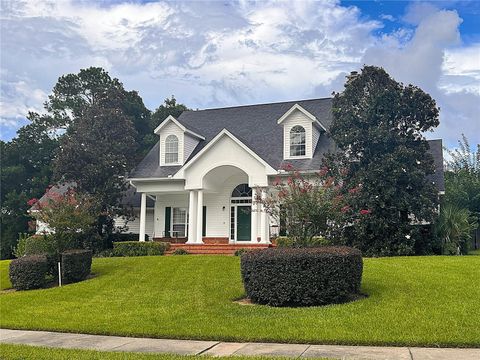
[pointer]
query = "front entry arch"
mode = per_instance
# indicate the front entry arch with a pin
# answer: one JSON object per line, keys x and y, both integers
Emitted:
{"x": 240, "y": 213}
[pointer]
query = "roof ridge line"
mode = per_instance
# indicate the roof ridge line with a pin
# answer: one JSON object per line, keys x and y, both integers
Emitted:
{"x": 251, "y": 105}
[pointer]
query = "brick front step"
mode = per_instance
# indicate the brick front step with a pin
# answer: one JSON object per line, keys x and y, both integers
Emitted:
{"x": 215, "y": 249}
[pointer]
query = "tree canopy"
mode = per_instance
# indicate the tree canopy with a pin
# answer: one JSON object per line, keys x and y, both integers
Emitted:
{"x": 462, "y": 182}
{"x": 93, "y": 128}
{"x": 378, "y": 123}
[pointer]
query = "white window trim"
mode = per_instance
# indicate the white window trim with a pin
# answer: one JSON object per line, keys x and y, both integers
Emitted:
{"x": 172, "y": 223}
{"x": 166, "y": 152}
{"x": 235, "y": 230}
{"x": 290, "y": 143}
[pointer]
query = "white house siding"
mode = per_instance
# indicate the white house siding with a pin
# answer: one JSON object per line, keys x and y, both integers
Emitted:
{"x": 42, "y": 228}
{"x": 218, "y": 219}
{"x": 225, "y": 152}
{"x": 133, "y": 226}
{"x": 190, "y": 145}
{"x": 163, "y": 201}
{"x": 171, "y": 129}
{"x": 297, "y": 118}
{"x": 315, "y": 138}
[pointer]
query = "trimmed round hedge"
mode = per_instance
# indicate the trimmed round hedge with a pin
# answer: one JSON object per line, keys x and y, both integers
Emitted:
{"x": 76, "y": 265}
{"x": 29, "y": 272}
{"x": 302, "y": 276}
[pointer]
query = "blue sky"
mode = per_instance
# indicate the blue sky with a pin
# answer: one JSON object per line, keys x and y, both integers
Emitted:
{"x": 228, "y": 53}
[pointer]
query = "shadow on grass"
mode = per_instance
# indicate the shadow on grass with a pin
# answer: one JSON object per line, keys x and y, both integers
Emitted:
{"x": 245, "y": 301}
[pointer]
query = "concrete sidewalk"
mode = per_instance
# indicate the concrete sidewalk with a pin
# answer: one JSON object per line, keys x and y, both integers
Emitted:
{"x": 216, "y": 348}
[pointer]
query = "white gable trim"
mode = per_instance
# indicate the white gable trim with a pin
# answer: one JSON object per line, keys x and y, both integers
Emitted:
{"x": 225, "y": 132}
{"x": 176, "y": 122}
{"x": 305, "y": 112}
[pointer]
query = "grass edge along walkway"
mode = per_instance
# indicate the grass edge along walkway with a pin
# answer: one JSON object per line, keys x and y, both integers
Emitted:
{"x": 27, "y": 352}
{"x": 75, "y": 342}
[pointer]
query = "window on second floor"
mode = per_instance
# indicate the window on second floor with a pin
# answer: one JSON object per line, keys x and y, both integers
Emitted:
{"x": 171, "y": 149}
{"x": 297, "y": 141}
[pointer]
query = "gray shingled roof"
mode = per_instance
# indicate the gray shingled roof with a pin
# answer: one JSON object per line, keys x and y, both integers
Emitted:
{"x": 131, "y": 197}
{"x": 256, "y": 126}
{"x": 436, "y": 149}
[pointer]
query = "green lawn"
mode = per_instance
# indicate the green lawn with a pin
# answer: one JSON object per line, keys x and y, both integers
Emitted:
{"x": 425, "y": 301}
{"x": 14, "y": 352}
{"x": 4, "y": 279}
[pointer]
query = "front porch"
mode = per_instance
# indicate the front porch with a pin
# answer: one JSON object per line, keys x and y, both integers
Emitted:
{"x": 222, "y": 212}
{"x": 213, "y": 195}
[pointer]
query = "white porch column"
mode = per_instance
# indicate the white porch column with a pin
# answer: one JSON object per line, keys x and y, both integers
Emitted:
{"x": 192, "y": 217}
{"x": 156, "y": 218}
{"x": 199, "y": 216}
{"x": 254, "y": 217}
{"x": 143, "y": 216}
{"x": 263, "y": 218}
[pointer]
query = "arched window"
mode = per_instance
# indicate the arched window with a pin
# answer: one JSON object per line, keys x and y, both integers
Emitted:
{"x": 242, "y": 190}
{"x": 171, "y": 149}
{"x": 297, "y": 141}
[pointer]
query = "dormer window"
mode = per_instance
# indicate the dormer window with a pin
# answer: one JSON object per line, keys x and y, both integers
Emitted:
{"x": 171, "y": 149}
{"x": 297, "y": 141}
{"x": 301, "y": 132}
{"x": 176, "y": 142}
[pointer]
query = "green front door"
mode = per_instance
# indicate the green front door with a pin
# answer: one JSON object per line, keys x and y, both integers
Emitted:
{"x": 243, "y": 223}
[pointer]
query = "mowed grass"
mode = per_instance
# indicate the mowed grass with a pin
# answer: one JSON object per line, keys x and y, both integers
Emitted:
{"x": 14, "y": 352}
{"x": 422, "y": 301}
{"x": 4, "y": 279}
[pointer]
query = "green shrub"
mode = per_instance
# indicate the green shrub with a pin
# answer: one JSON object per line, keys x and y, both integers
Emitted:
{"x": 285, "y": 241}
{"x": 302, "y": 276}
{"x": 139, "y": 248}
{"x": 454, "y": 228}
{"x": 35, "y": 245}
{"x": 104, "y": 253}
{"x": 241, "y": 251}
{"x": 39, "y": 245}
{"x": 29, "y": 272}
{"x": 180, "y": 251}
{"x": 19, "y": 250}
{"x": 76, "y": 265}
{"x": 119, "y": 237}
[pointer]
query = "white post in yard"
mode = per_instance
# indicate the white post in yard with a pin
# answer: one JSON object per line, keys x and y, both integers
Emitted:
{"x": 199, "y": 216}
{"x": 59, "y": 275}
{"x": 192, "y": 217}
{"x": 143, "y": 216}
{"x": 263, "y": 219}
{"x": 254, "y": 217}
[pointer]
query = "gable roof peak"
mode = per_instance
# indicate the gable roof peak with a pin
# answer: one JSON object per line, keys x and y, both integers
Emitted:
{"x": 298, "y": 107}
{"x": 170, "y": 118}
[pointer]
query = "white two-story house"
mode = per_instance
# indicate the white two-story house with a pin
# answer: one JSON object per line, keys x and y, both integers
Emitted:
{"x": 198, "y": 183}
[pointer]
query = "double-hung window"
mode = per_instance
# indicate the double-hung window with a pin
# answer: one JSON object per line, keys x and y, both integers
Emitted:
{"x": 179, "y": 222}
{"x": 171, "y": 149}
{"x": 297, "y": 141}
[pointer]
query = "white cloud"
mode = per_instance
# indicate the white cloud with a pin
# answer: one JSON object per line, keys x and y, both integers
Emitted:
{"x": 220, "y": 54}
{"x": 417, "y": 11}
{"x": 387, "y": 17}
{"x": 433, "y": 58}
{"x": 461, "y": 70}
